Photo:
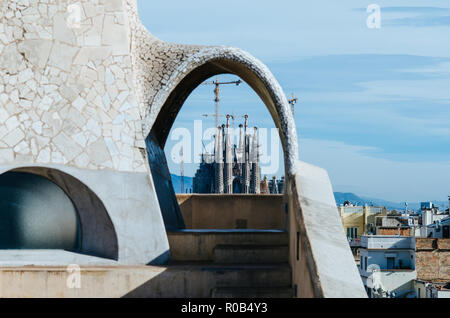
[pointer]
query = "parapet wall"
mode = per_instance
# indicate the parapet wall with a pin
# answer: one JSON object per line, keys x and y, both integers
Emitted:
{"x": 320, "y": 256}
{"x": 232, "y": 211}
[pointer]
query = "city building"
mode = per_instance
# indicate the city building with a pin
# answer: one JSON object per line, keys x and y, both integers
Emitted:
{"x": 387, "y": 266}
{"x": 435, "y": 223}
{"x": 429, "y": 222}
{"x": 276, "y": 186}
{"x": 438, "y": 229}
{"x": 426, "y": 289}
{"x": 403, "y": 225}
{"x": 431, "y": 213}
{"x": 360, "y": 220}
{"x": 396, "y": 266}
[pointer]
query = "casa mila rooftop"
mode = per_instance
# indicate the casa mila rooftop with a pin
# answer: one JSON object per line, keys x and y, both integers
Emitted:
{"x": 88, "y": 97}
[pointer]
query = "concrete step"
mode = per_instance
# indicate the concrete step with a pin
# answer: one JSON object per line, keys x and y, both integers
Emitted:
{"x": 199, "y": 245}
{"x": 251, "y": 254}
{"x": 252, "y": 292}
{"x": 250, "y": 275}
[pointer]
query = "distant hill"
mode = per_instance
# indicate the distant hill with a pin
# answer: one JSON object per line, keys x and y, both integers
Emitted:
{"x": 353, "y": 198}
{"x": 357, "y": 200}
{"x": 176, "y": 181}
{"x": 340, "y": 197}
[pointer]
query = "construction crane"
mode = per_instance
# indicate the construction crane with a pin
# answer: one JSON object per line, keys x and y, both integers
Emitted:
{"x": 217, "y": 84}
{"x": 182, "y": 169}
{"x": 292, "y": 101}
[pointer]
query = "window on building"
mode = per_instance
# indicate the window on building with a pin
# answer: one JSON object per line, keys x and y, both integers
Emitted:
{"x": 390, "y": 262}
{"x": 352, "y": 232}
{"x": 446, "y": 231}
{"x": 365, "y": 263}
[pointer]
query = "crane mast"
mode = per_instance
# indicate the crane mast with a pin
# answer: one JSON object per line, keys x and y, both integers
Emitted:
{"x": 217, "y": 85}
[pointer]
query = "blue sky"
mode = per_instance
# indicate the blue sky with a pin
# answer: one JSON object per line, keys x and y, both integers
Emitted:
{"x": 374, "y": 103}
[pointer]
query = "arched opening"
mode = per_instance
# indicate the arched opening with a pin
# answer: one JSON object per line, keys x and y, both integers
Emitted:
{"x": 257, "y": 77}
{"x": 36, "y": 214}
{"x": 172, "y": 105}
{"x": 44, "y": 208}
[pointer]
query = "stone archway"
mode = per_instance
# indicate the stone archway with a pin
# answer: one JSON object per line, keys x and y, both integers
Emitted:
{"x": 165, "y": 74}
{"x": 36, "y": 214}
{"x": 215, "y": 61}
{"x": 169, "y": 101}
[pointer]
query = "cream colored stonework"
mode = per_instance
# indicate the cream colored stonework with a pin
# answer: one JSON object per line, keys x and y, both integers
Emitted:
{"x": 67, "y": 91}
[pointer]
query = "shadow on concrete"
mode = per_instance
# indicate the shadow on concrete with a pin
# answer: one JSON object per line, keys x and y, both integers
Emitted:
{"x": 96, "y": 234}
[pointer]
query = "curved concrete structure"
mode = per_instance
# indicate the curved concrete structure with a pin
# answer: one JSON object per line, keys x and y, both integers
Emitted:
{"x": 36, "y": 214}
{"x": 97, "y": 234}
{"x": 167, "y": 73}
{"x": 69, "y": 103}
{"x": 86, "y": 90}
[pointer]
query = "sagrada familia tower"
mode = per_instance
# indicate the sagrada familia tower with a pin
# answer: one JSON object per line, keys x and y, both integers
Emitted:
{"x": 234, "y": 168}
{"x": 87, "y": 99}
{"x": 230, "y": 169}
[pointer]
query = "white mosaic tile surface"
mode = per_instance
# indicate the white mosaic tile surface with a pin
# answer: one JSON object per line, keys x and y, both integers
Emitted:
{"x": 67, "y": 93}
{"x": 85, "y": 92}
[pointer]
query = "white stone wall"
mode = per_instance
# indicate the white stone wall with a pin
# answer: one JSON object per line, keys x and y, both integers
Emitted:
{"x": 67, "y": 90}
